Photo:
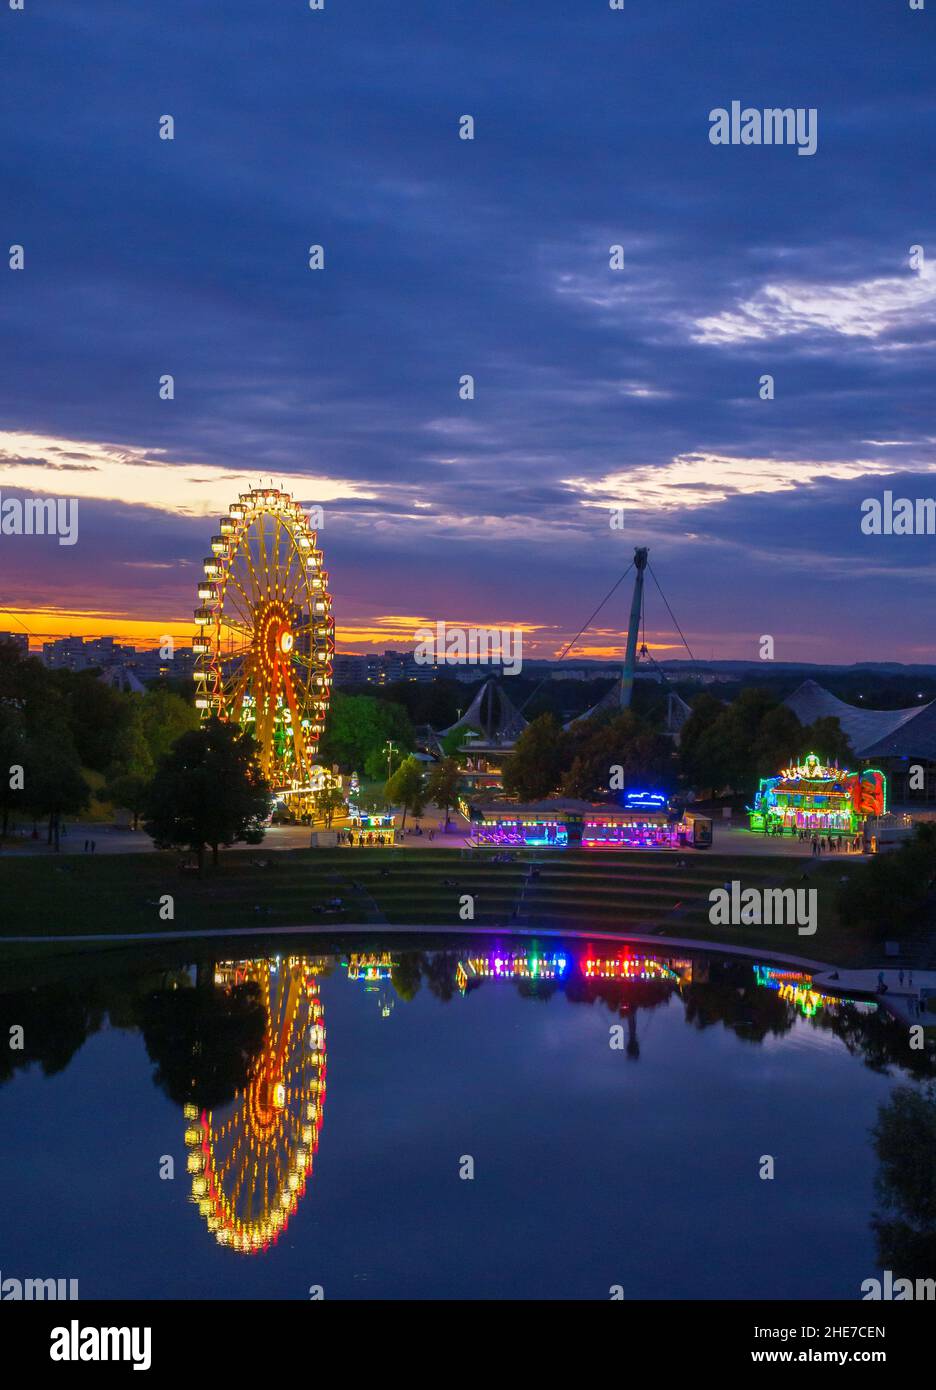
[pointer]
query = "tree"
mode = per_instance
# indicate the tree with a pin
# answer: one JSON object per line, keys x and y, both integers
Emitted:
{"x": 828, "y": 741}
{"x": 407, "y": 789}
{"x": 406, "y": 974}
{"x": 705, "y": 710}
{"x": 98, "y": 716}
{"x": 442, "y": 787}
{"x": 204, "y": 1041}
{"x": 381, "y": 761}
{"x": 536, "y": 765}
{"x": 727, "y": 748}
{"x": 129, "y": 790}
{"x": 453, "y": 740}
{"x": 887, "y": 897}
{"x": 327, "y": 801}
{"x": 617, "y": 741}
{"x": 905, "y": 1145}
{"x": 208, "y": 790}
{"x": 373, "y": 801}
{"x": 166, "y": 716}
{"x": 53, "y": 784}
{"x": 357, "y": 731}
{"x": 132, "y": 764}
{"x": 12, "y": 755}
{"x": 778, "y": 742}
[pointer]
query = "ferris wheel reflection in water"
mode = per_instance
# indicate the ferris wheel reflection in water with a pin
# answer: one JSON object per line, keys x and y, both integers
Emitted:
{"x": 250, "y": 1161}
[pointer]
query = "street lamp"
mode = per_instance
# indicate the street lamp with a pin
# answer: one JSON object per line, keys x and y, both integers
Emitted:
{"x": 390, "y": 747}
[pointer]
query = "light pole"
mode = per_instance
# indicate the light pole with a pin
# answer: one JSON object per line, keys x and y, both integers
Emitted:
{"x": 390, "y": 747}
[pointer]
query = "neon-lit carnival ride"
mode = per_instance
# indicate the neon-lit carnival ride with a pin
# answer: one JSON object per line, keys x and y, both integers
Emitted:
{"x": 266, "y": 636}
{"x": 250, "y": 1163}
{"x": 811, "y": 796}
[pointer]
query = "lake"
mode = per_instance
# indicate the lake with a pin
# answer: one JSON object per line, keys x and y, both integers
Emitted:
{"x": 497, "y": 1120}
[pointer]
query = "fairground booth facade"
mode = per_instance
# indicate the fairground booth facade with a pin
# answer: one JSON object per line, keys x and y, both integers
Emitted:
{"x": 813, "y": 797}
{"x": 644, "y": 821}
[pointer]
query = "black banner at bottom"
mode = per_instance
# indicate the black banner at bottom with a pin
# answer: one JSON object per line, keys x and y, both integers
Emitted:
{"x": 164, "y": 1340}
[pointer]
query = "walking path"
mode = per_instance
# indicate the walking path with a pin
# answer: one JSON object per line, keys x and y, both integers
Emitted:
{"x": 381, "y": 929}
{"x": 900, "y": 1000}
{"x": 905, "y": 998}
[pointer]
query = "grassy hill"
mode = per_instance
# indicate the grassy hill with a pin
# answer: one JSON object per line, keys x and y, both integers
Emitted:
{"x": 573, "y": 890}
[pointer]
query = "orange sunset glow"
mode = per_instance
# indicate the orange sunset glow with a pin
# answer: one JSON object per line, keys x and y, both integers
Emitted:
{"x": 391, "y": 630}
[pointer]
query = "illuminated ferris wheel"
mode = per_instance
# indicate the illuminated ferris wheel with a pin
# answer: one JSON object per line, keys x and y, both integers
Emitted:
{"x": 250, "y": 1164}
{"x": 266, "y": 634}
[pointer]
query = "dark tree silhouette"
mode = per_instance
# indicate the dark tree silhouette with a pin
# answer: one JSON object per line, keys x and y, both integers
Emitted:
{"x": 905, "y": 1144}
{"x": 203, "y": 1041}
{"x": 209, "y": 790}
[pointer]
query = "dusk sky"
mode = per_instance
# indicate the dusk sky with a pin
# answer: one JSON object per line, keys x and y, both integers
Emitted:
{"x": 595, "y": 388}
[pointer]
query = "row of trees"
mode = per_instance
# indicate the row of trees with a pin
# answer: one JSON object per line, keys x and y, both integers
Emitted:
{"x": 589, "y": 759}
{"x": 65, "y": 736}
{"x": 357, "y": 732}
{"x": 735, "y": 745}
{"x": 893, "y": 893}
{"x": 413, "y": 789}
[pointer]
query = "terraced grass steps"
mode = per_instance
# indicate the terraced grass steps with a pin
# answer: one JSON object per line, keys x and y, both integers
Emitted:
{"x": 574, "y": 889}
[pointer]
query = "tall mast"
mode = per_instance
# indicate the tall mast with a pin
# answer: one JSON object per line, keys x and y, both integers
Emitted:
{"x": 630, "y": 655}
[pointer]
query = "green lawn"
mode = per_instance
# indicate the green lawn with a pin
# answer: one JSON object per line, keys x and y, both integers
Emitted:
{"x": 114, "y": 894}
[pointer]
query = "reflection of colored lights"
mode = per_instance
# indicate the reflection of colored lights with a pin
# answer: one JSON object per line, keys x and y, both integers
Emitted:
{"x": 370, "y": 968}
{"x": 534, "y": 965}
{"x": 249, "y": 1170}
{"x": 795, "y": 987}
{"x": 503, "y": 965}
{"x": 627, "y": 968}
{"x": 770, "y": 975}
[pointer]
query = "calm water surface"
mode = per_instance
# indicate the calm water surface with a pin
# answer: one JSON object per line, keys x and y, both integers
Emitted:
{"x": 318, "y": 1111}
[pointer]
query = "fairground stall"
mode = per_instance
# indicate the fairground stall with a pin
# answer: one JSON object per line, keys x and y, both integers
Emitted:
{"x": 519, "y": 827}
{"x": 372, "y": 828}
{"x": 644, "y": 821}
{"x": 812, "y": 796}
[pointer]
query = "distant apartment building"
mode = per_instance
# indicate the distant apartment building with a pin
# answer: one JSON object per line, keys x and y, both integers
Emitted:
{"x": 125, "y": 666}
{"x": 19, "y": 639}
{"x": 562, "y": 672}
{"x": 349, "y": 669}
{"x": 385, "y": 668}
{"x": 65, "y": 654}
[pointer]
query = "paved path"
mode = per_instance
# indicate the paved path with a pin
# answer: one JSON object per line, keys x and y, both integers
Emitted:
{"x": 381, "y": 929}
{"x": 121, "y": 839}
{"x": 738, "y": 839}
{"x": 902, "y": 997}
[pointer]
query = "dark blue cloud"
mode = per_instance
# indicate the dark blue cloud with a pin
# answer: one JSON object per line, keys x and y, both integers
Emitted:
{"x": 490, "y": 257}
